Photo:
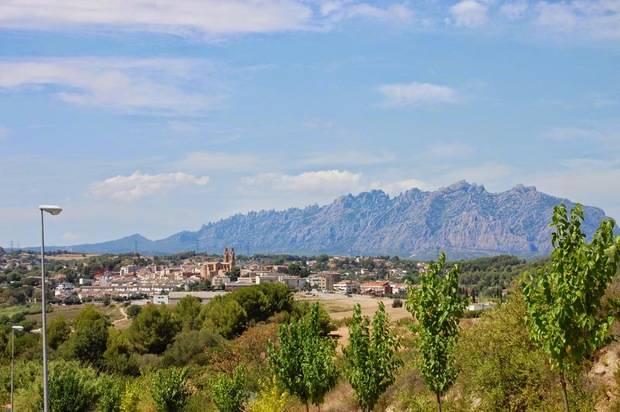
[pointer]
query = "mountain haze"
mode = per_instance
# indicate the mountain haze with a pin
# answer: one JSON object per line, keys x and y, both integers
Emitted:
{"x": 462, "y": 219}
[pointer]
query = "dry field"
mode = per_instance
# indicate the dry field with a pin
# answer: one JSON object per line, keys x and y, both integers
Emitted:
{"x": 70, "y": 312}
{"x": 341, "y": 307}
{"x": 70, "y": 256}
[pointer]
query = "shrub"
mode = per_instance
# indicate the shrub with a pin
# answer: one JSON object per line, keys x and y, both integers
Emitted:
{"x": 229, "y": 394}
{"x": 169, "y": 389}
{"x": 397, "y": 303}
{"x": 111, "y": 390}
{"x": 71, "y": 388}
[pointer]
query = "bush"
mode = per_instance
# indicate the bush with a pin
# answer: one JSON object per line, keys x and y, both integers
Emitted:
{"x": 397, "y": 303}
{"x": 71, "y": 388}
{"x": 58, "y": 332}
{"x": 153, "y": 329}
{"x": 111, "y": 392}
{"x": 229, "y": 394}
{"x": 225, "y": 316}
{"x": 169, "y": 389}
{"x": 133, "y": 311}
{"x": 271, "y": 398}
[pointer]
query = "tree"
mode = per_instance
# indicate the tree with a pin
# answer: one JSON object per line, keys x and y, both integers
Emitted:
{"x": 228, "y": 392}
{"x": 225, "y": 316}
{"x": 110, "y": 390}
{"x": 90, "y": 336}
{"x": 153, "y": 329}
{"x": 437, "y": 306}
{"x": 58, "y": 332}
{"x": 304, "y": 361}
{"x": 371, "y": 359}
{"x": 71, "y": 388}
{"x": 188, "y": 311}
{"x": 563, "y": 299}
{"x": 169, "y": 389}
{"x": 133, "y": 311}
{"x": 119, "y": 356}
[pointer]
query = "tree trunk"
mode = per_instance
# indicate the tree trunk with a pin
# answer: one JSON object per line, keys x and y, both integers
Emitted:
{"x": 438, "y": 402}
{"x": 564, "y": 394}
{"x": 307, "y": 408}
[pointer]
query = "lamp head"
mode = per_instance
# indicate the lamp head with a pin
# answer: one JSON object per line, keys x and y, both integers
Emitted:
{"x": 51, "y": 209}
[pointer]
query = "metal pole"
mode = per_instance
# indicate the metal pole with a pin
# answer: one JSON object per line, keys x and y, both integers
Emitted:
{"x": 12, "y": 365}
{"x": 43, "y": 315}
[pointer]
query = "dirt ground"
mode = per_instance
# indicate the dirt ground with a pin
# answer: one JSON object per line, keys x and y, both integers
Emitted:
{"x": 70, "y": 256}
{"x": 341, "y": 307}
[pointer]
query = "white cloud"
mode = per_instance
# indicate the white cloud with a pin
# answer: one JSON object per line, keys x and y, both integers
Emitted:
{"x": 160, "y": 85}
{"x": 397, "y": 187}
{"x": 204, "y": 16}
{"x": 449, "y": 150}
{"x": 469, "y": 13}
{"x": 513, "y": 10}
{"x": 584, "y": 180}
{"x": 417, "y": 94}
{"x": 340, "y": 10}
{"x": 596, "y": 18}
{"x": 322, "y": 181}
{"x": 569, "y": 133}
{"x": 348, "y": 158}
{"x": 138, "y": 185}
{"x": 199, "y": 161}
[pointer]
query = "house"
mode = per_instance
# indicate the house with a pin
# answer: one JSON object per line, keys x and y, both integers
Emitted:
{"x": 204, "y": 296}
{"x": 347, "y": 287}
{"x": 160, "y": 299}
{"x": 376, "y": 288}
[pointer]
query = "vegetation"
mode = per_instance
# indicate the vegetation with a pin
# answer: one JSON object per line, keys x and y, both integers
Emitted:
{"x": 304, "y": 360}
{"x": 229, "y": 393}
{"x": 563, "y": 300}
{"x": 371, "y": 357}
{"x": 257, "y": 350}
{"x": 437, "y": 306}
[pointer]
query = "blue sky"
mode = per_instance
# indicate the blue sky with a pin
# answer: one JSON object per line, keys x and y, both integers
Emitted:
{"x": 147, "y": 119}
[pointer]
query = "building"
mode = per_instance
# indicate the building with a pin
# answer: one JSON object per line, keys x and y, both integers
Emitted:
{"x": 204, "y": 296}
{"x": 377, "y": 288}
{"x": 128, "y": 270}
{"x": 327, "y": 280}
{"x": 239, "y": 283}
{"x": 481, "y": 306}
{"x": 160, "y": 299}
{"x": 64, "y": 290}
{"x": 347, "y": 287}
{"x": 210, "y": 269}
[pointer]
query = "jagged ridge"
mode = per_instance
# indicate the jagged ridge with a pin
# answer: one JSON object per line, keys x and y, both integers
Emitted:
{"x": 463, "y": 219}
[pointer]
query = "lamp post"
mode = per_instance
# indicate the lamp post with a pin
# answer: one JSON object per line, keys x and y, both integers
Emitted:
{"x": 52, "y": 210}
{"x": 13, "y": 329}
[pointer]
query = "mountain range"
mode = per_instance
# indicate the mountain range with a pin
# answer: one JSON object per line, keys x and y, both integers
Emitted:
{"x": 463, "y": 219}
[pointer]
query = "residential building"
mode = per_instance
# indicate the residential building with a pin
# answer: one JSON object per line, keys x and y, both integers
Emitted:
{"x": 376, "y": 288}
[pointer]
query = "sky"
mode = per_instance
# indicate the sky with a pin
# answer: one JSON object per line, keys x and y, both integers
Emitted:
{"x": 153, "y": 117}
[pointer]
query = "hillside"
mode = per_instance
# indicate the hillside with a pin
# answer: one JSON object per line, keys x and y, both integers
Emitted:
{"x": 463, "y": 219}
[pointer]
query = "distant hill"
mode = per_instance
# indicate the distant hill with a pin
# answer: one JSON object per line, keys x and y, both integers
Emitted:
{"x": 463, "y": 219}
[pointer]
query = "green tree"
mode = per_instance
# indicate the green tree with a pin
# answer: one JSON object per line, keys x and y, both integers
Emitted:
{"x": 437, "y": 306}
{"x": 133, "y": 311}
{"x": 563, "y": 299}
{"x": 371, "y": 359}
{"x": 119, "y": 356}
{"x": 304, "y": 361}
{"x": 153, "y": 329}
{"x": 225, "y": 316}
{"x": 169, "y": 389}
{"x": 58, "y": 332}
{"x": 110, "y": 390}
{"x": 90, "y": 336}
{"x": 72, "y": 388}
{"x": 188, "y": 311}
{"x": 228, "y": 392}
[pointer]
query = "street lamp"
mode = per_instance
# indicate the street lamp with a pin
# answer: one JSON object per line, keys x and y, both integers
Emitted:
{"x": 52, "y": 210}
{"x": 13, "y": 329}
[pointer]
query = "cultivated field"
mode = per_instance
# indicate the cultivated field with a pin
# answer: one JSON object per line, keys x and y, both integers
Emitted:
{"x": 341, "y": 307}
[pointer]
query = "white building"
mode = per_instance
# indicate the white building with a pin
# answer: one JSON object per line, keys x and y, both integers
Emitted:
{"x": 160, "y": 299}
